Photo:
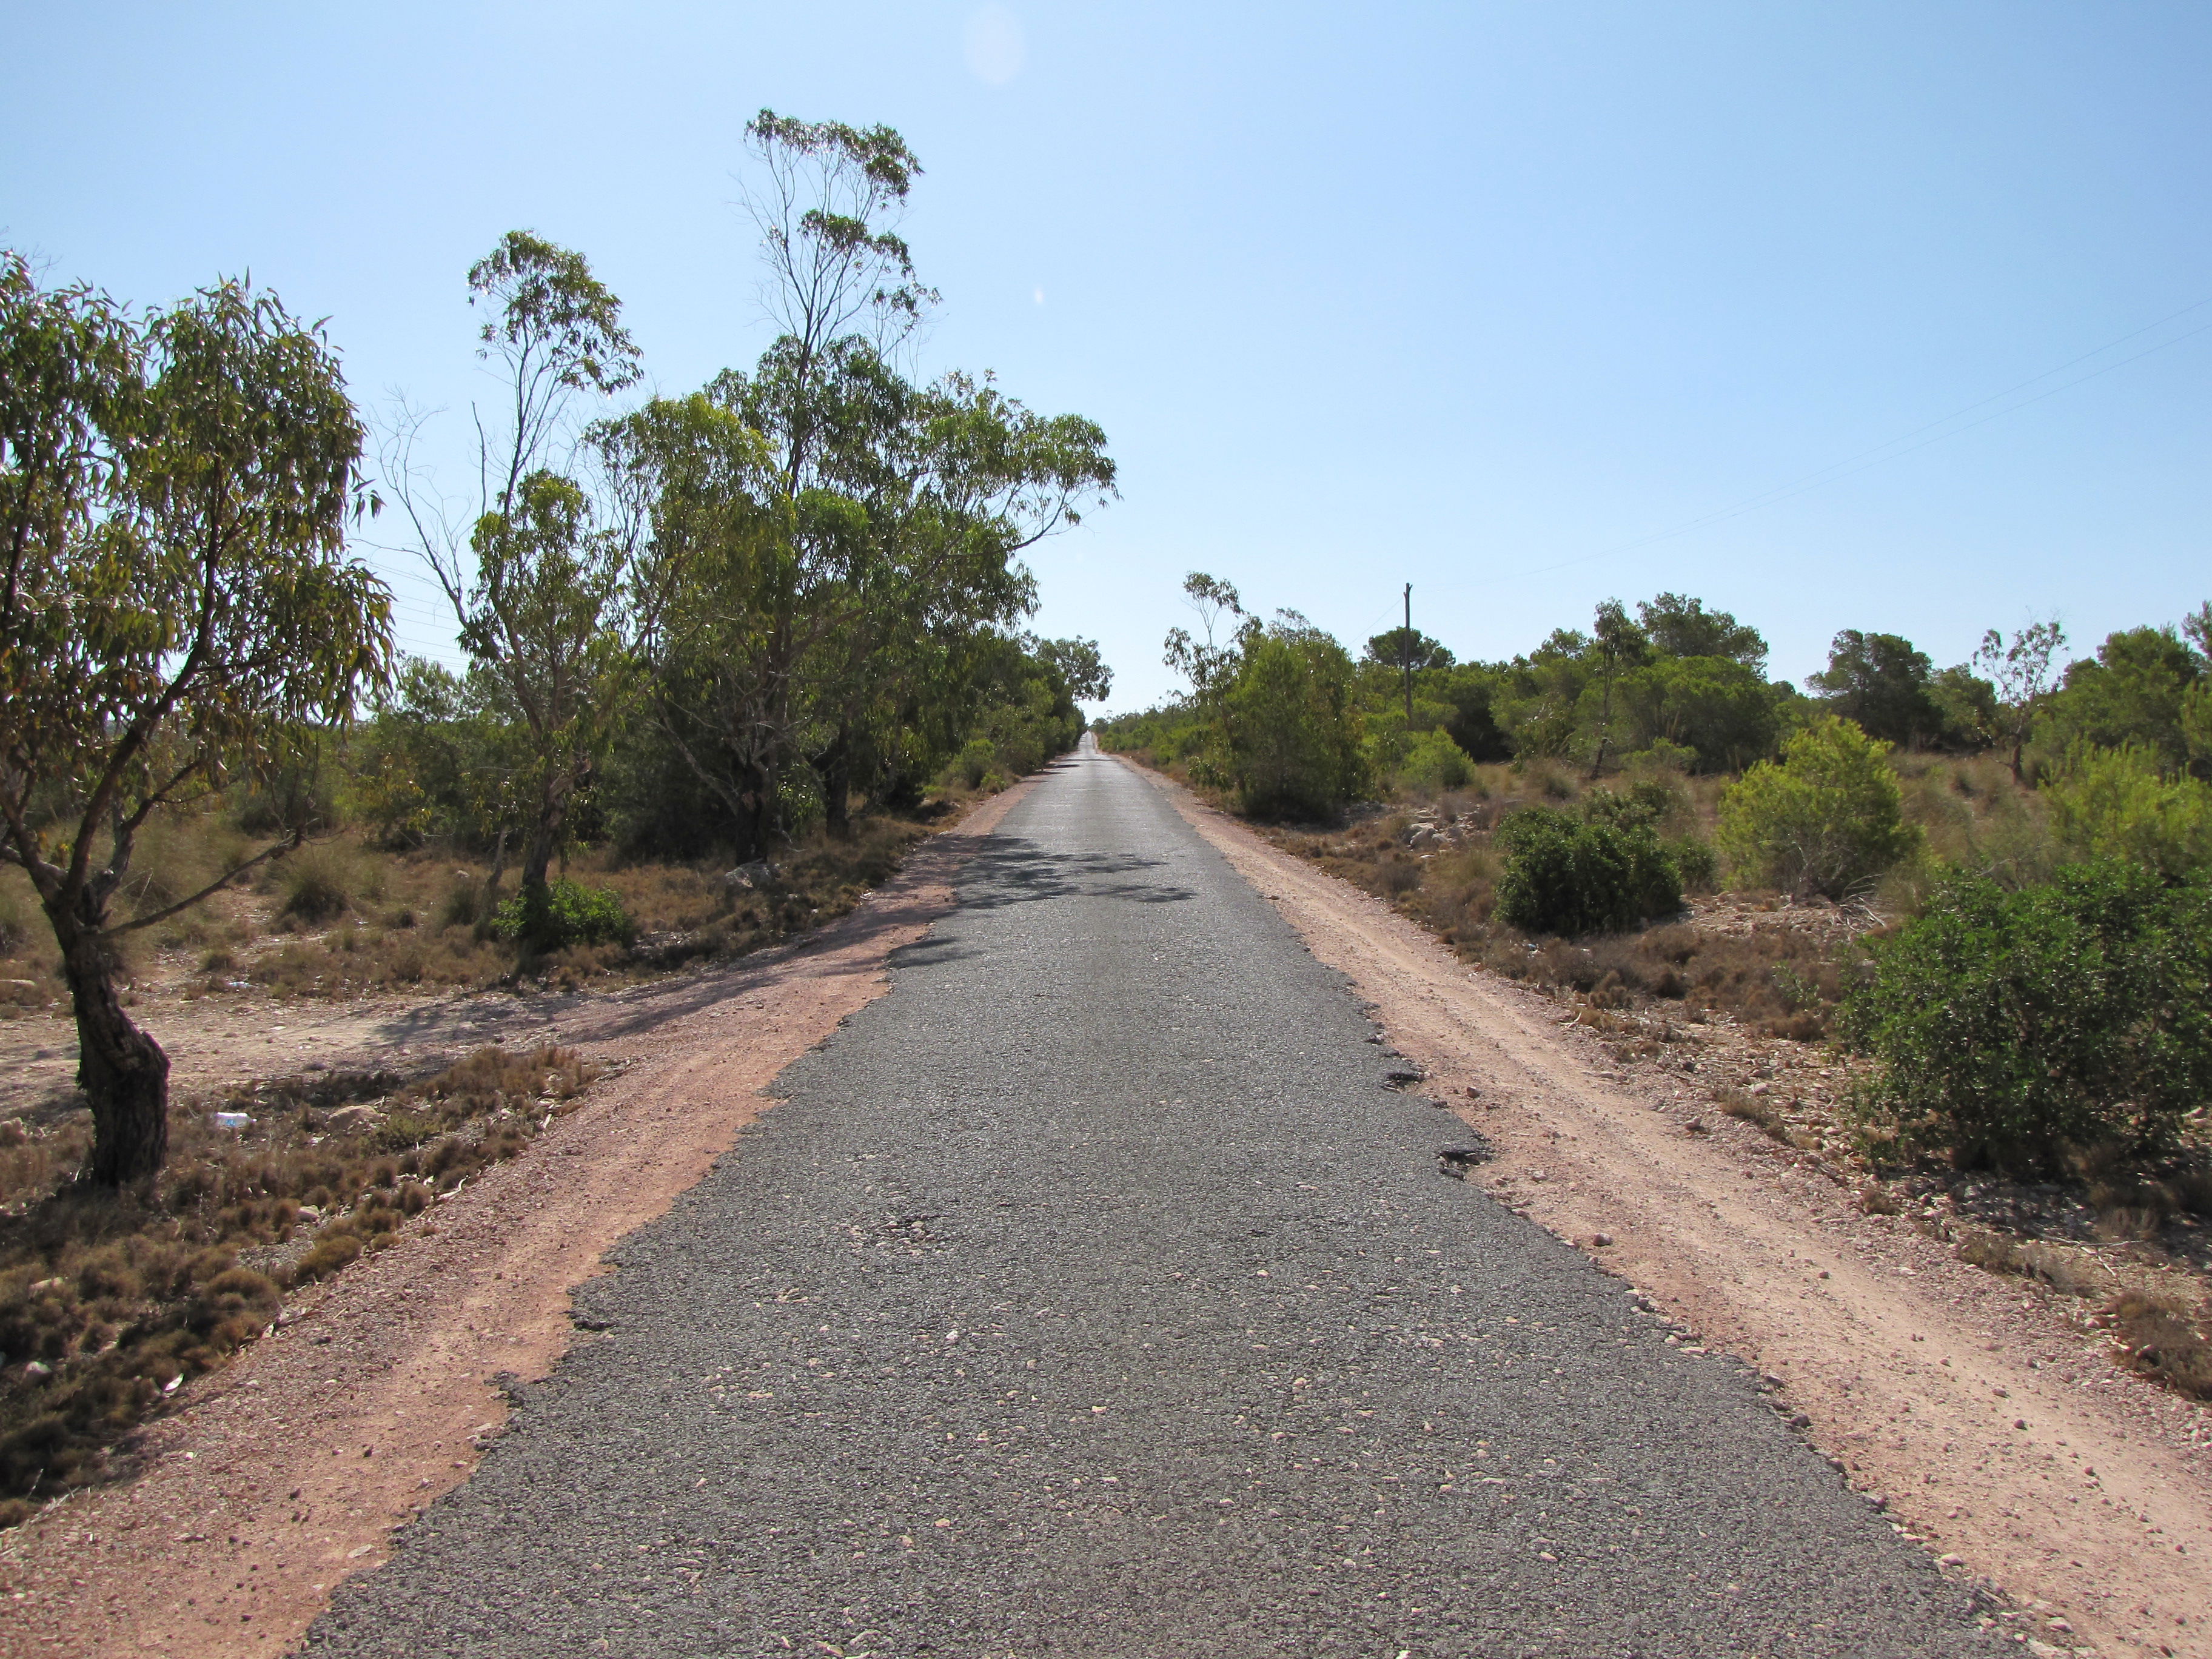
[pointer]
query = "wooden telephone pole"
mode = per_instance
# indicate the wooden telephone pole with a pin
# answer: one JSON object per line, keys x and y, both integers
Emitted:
{"x": 1406, "y": 655}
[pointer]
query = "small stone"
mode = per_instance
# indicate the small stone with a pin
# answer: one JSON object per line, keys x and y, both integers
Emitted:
{"x": 1602, "y": 1241}
{"x": 1950, "y": 1560}
{"x": 38, "y": 1369}
{"x": 351, "y": 1121}
{"x": 2020, "y": 1422}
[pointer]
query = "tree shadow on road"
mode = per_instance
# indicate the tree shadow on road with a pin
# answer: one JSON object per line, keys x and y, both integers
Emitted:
{"x": 1009, "y": 870}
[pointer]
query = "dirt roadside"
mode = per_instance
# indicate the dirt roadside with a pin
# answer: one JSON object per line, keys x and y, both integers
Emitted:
{"x": 288, "y": 1469}
{"x": 1948, "y": 1395}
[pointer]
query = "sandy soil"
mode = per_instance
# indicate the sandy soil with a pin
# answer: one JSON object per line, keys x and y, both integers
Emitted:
{"x": 1952, "y": 1397}
{"x": 290, "y": 1468}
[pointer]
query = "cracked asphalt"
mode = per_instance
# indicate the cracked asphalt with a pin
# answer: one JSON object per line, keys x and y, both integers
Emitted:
{"x": 1091, "y": 1294}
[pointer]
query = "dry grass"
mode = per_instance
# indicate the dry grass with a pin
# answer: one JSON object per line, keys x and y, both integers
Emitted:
{"x": 2167, "y": 1339}
{"x": 108, "y": 1303}
{"x": 1435, "y": 861}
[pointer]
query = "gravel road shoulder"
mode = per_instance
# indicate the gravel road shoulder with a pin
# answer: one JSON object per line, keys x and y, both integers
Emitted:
{"x": 287, "y": 1471}
{"x": 2081, "y": 1492}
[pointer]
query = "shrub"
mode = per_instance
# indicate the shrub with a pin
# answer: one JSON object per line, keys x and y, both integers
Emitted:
{"x": 1570, "y": 876}
{"x": 1696, "y": 862}
{"x": 2112, "y": 802}
{"x": 318, "y": 883}
{"x": 570, "y": 915}
{"x": 1294, "y": 728}
{"x": 1827, "y": 820}
{"x": 2011, "y": 1025}
{"x": 974, "y": 764}
{"x": 1434, "y": 762}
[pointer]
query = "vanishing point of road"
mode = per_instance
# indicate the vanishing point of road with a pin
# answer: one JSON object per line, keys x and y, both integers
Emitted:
{"x": 1091, "y": 1294}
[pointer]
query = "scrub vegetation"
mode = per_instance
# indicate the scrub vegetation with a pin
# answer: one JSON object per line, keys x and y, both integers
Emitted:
{"x": 725, "y": 653}
{"x": 108, "y": 1304}
{"x": 1986, "y": 889}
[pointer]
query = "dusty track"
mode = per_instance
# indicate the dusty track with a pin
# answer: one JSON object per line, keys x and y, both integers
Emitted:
{"x": 287, "y": 1471}
{"x": 1945, "y": 1391}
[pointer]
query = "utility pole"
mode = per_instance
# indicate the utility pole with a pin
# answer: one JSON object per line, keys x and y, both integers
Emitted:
{"x": 1406, "y": 655}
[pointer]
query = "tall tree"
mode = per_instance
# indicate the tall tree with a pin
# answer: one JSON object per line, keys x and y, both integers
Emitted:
{"x": 536, "y": 581}
{"x": 1407, "y": 648}
{"x": 1618, "y": 644}
{"x": 1681, "y": 627}
{"x": 178, "y": 610}
{"x": 1880, "y": 682}
{"x": 2020, "y": 671}
{"x": 887, "y": 529}
{"x": 2141, "y": 688}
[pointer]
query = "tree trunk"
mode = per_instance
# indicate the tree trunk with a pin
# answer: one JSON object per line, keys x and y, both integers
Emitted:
{"x": 538, "y": 932}
{"x": 834, "y": 767}
{"x": 121, "y": 1069}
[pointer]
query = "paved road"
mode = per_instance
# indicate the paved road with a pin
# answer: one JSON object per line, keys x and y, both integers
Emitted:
{"x": 1091, "y": 1295}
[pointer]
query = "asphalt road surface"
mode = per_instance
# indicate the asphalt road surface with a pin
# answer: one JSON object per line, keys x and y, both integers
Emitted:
{"x": 1092, "y": 1294}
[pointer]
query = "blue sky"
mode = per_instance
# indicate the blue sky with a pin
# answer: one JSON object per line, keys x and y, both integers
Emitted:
{"x": 1492, "y": 299}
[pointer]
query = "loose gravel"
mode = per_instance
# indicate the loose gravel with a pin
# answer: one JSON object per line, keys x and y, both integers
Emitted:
{"x": 1092, "y": 1294}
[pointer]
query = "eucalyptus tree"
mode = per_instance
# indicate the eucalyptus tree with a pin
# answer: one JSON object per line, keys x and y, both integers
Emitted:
{"x": 178, "y": 612}
{"x": 536, "y": 571}
{"x": 826, "y": 531}
{"x": 2022, "y": 673}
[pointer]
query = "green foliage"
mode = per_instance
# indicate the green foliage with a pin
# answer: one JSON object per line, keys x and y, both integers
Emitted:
{"x": 1681, "y": 627}
{"x": 1434, "y": 762}
{"x": 2112, "y": 802}
{"x": 1572, "y": 875}
{"x": 1720, "y": 709}
{"x": 1827, "y": 820}
{"x": 2147, "y": 688}
{"x": 1882, "y": 685}
{"x": 1293, "y": 726}
{"x": 1405, "y": 647}
{"x": 180, "y": 609}
{"x": 566, "y": 914}
{"x": 2011, "y": 1026}
{"x": 2018, "y": 675}
{"x": 1696, "y": 862}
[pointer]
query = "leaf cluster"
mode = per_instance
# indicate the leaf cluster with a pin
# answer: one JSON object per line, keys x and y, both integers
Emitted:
{"x": 2014, "y": 1025}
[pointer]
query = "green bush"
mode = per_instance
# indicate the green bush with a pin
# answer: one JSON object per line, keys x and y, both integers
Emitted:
{"x": 2112, "y": 802}
{"x": 1294, "y": 736}
{"x": 570, "y": 915}
{"x": 975, "y": 762}
{"x": 1571, "y": 876}
{"x": 1696, "y": 862}
{"x": 1827, "y": 820}
{"x": 1433, "y": 761}
{"x": 2012, "y": 1025}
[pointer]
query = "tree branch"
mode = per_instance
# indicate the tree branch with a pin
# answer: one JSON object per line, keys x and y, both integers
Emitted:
{"x": 215, "y": 886}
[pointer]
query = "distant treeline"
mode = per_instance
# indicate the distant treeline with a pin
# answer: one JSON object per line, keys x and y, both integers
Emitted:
{"x": 1283, "y": 716}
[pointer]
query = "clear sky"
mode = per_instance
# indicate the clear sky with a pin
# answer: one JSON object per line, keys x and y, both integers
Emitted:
{"x": 1488, "y": 298}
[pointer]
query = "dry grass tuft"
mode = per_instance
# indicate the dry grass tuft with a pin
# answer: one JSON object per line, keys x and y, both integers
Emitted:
{"x": 108, "y": 1303}
{"x": 2166, "y": 1339}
